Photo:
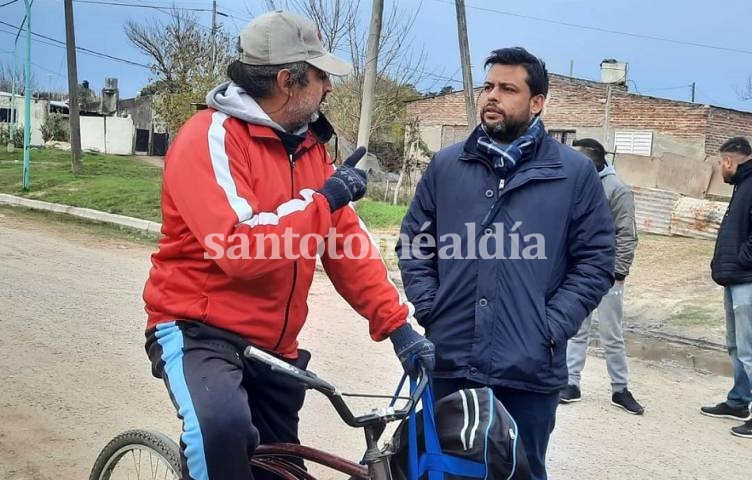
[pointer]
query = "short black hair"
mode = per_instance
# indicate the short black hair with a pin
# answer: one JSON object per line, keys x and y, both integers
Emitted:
{"x": 594, "y": 150}
{"x": 537, "y": 75}
{"x": 258, "y": 80}
{"x": 736, "y": 145}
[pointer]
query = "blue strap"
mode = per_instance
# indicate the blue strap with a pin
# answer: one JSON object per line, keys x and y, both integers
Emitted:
{"x": 399, "y": 389}
{"x": 451, "y": 465}
{"x": 429, "y": 422}
{"x": 412, "y": 442}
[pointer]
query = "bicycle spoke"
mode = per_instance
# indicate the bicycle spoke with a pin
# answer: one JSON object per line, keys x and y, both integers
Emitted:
{"x": 142, "y": 464}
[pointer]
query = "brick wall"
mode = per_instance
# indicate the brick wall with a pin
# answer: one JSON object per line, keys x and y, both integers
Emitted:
{"x": 668, "y": 117}
{"x": 724, "y": 124}
{"x": 571, "y": 103}
{"x": 446, "y": 109}
{"x": 574, "y": 103}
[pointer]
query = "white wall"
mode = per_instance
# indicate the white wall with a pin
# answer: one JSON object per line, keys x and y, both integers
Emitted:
{"x": 92, "y": 134}
{"x": 119, "y": 136}
{"x": 108, "y": 135}
{"x": 38, "y": 115}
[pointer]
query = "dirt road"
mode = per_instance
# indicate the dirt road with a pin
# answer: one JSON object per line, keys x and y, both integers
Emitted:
{"x": 73, "y": 374}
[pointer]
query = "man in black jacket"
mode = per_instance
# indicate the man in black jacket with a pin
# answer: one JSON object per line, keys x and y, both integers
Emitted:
{"x": 731, "y": 267}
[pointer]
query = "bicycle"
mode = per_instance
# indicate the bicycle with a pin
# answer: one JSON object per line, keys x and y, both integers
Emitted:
{"x": 156, "y": 456}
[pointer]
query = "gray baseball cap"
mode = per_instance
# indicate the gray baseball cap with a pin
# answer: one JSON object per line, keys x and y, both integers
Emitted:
{"x": 279, "y": 37}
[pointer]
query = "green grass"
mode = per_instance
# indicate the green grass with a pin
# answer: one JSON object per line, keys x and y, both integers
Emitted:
{"x": 380, "y": 215}
{"x": 123, "y": 185}
{"x": 110, "y": 183}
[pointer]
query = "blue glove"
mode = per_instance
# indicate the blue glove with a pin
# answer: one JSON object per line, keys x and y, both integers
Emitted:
{"x": 411, "y": 348}
{"x": 347, "y": 184}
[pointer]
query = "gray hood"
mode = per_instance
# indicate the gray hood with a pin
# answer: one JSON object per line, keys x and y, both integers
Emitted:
{"x": 608, "y": 170}
{"x": 231, "y": 99}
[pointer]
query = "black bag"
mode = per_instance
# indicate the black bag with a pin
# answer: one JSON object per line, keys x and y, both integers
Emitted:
{"x": 471, "y": 435}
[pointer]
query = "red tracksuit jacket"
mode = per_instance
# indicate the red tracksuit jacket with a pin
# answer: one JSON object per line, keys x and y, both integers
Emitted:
{"x": 226, "y": 183}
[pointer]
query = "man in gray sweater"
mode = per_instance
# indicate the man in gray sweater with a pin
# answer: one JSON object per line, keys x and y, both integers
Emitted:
{"x": 611, "y": 309}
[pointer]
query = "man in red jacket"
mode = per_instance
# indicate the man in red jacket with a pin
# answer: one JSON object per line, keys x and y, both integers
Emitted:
{"x": 243, "y": 179}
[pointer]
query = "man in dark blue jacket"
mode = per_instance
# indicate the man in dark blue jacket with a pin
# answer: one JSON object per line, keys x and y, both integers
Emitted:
{"x": 731, "y": 267}
{"x": 508, "y": 245}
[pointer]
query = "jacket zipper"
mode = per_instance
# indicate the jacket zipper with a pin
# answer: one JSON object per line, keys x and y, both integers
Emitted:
{"x": 294, "y": 265}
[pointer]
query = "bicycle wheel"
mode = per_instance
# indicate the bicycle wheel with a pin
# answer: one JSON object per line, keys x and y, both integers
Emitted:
{"x": 138, "y": 455}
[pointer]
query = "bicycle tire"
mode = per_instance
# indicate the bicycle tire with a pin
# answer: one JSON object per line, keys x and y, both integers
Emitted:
{"x": 143, "y": 440}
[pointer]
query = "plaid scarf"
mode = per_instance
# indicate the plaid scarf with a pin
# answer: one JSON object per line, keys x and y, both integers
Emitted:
{"x": 505, "y": 158}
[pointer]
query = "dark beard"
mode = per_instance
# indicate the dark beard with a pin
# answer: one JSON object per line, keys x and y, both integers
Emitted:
{"x": 506, "y": 131}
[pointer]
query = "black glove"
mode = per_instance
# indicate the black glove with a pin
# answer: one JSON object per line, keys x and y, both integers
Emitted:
{"x": 347, "y": 183}
{"x": 411, "y": 348}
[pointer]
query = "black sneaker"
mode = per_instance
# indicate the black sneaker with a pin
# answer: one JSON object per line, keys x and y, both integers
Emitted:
{"x": 625, "y": 400}
{"x": 570, "y": 394}
{"x": 722, "y": 410}
{"x": 744, "y": 430}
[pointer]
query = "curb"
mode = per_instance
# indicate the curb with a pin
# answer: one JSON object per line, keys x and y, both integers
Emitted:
{"x": 115, "y": 219}
{"x": 87, "y": 213}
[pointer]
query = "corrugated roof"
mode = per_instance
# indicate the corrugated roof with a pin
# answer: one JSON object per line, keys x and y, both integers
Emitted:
{"x": 669, "y": 213}
{"x": 697, "y": 218}
{"x": 653, "y": 208}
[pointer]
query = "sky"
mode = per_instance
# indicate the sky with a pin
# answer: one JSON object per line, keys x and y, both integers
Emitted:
{"x": 667, "y": 44}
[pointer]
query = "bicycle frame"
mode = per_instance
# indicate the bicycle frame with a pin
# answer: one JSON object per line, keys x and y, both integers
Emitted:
{"x": 377, "y": 467}
{"x": 267, "y": 456}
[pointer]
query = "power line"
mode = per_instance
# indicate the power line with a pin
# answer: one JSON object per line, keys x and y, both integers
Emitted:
{"x": 413, "y": 69}
{"x": 603, "y": 30}
{"x": 155, "y": 7}
{"x": 36, "y": 40}
{"x": 8, "y": 3}
{"x": 41, "y": 67}
{"x": 163, "y": 9}
{"x": 61, "y": 44}
{"x": 665, "y": 88}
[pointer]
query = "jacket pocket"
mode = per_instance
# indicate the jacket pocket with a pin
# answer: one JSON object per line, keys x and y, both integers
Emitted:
{"x": 428, "y": 314}
{"x": 549, "y": 342}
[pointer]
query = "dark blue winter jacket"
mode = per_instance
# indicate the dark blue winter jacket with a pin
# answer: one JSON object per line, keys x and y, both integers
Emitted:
{"x": 505, "y": 320}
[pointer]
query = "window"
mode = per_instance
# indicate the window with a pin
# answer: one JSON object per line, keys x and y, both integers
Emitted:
{"x": 7, "y": 115}
{"x": 564, "y": 136}
{"x": 633, "y": 141}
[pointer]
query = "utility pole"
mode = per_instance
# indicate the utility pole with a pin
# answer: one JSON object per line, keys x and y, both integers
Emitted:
{"x": 467, "y": 75}
{"x": 692, "y": 90}
{"x": 26, "y": 182}
{"x": 75, "y": 121}
{"x": 369, "y": 80}
{"x": 214, "y": 36}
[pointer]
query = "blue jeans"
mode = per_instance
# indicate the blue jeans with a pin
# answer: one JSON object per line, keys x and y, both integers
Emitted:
{"x": 737, "y": 300}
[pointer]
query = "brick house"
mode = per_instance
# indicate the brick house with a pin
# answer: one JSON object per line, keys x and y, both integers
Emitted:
{"x": 659, "y": 143}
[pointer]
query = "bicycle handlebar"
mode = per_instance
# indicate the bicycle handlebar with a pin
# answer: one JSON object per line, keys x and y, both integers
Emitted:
{"x": 311, "y": 380}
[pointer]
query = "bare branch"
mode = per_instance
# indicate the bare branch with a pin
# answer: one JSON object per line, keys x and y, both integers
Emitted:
{"x": 745, "y": 93}
{"x": 10, "y": 76}
{"x": 183, "y": 59}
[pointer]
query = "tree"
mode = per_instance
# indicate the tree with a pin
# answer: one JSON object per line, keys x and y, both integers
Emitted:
{"x": 55, "y": 127}
{"x": 10, "y": 75}
{"x": 183, "y": 60}
{"x": 344, "y": 32}
{"x": 414, "y": 145}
